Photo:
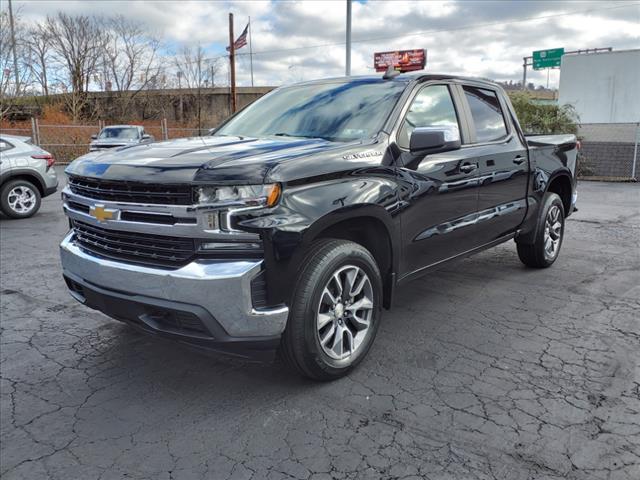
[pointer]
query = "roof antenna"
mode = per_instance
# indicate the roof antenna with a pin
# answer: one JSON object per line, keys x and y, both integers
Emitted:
{"x": 390, "y": 73}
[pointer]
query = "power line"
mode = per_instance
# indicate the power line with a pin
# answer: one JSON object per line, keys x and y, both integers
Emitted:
{"x": 424, "y": 32}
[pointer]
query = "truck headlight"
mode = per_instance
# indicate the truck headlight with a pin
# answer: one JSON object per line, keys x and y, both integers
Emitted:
{"x": 249, "y": 195}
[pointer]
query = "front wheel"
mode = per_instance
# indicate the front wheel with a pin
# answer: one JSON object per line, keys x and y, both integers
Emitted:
{"x": 335, "y": 310}
{"x": 550, "y": 232}
{"x": 19, "y": 199}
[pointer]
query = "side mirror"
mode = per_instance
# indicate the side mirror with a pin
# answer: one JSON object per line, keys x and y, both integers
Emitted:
{"x": 94, "y": 136}
{"x": 146, "y": 136}
{"x": 433, "y": 140}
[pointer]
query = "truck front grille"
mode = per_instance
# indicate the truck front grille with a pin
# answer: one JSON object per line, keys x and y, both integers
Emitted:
{"x": 132, "y": 192}
{"x": 145, "y": 249}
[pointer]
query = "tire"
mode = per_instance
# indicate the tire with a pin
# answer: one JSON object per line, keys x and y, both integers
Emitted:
{"x": 347, "y": 332}
{"x": 19, "y": 199}
{"x": 549, "y": 233}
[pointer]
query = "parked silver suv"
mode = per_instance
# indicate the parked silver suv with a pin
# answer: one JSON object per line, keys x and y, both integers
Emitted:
{"x": 26, "y": 175}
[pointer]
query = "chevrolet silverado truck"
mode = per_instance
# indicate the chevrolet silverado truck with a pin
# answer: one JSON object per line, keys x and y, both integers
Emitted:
{"x": 291, "y": 225}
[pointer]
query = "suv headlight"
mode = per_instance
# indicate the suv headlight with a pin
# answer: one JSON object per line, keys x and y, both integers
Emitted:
{"x": 246, "y": 195}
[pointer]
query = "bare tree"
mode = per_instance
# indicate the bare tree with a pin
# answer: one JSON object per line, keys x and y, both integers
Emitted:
{"x": 39, "y": 47}
{"x": 78, "y": 43}
{"x": 129, "y": 60}
{"x": 190, "y": 62}
{"x": 8, "y": 86}
{"x": 195, "y": 72}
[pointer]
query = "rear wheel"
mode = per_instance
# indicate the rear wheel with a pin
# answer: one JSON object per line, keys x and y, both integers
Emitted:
{"x": 548, "y": 240}
{"x": 335, "y": 310}
{"x": 19, "y": 199}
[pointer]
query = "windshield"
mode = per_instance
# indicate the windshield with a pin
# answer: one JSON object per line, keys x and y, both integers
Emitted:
{"x": 122, "y": 133}
{"x": 334, "y": 111}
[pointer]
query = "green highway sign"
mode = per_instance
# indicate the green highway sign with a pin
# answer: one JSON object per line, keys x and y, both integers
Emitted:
{"x": 547, "y": 58}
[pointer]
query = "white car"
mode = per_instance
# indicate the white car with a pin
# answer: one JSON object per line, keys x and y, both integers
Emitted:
{"x": 26, "y": 176}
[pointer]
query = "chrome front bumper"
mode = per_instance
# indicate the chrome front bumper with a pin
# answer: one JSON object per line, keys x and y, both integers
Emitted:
{"x": 221, "y": 288}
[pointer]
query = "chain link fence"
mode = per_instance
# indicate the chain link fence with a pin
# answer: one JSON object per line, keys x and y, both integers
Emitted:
{"x": 68, "y": 142}
{"x": 609, "y": 151}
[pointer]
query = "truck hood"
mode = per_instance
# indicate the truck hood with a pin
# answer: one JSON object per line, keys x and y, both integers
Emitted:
{"x": 222, "y": 159}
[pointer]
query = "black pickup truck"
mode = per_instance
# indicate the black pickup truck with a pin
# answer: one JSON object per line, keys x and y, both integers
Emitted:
{"x": 291, "y": 225}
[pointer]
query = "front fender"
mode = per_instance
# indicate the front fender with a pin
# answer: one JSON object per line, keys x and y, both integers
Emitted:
{"x": 307, "y": 209}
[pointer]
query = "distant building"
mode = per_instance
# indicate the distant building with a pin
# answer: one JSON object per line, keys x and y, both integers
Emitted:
{"x": 604, "y": 88}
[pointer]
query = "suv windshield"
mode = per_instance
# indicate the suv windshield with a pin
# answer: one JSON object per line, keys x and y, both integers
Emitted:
{"x": 124, "y": 133}
{"x": 336, "y": 111}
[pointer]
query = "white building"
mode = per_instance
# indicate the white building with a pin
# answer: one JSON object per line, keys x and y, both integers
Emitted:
{"x": 604, "y": 88}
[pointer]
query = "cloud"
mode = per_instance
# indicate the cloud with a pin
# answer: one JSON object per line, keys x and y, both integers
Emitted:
{"x": 478, "y": 38}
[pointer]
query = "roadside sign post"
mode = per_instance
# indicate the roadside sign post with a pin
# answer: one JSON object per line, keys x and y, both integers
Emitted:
{"x": 547, "y": 58}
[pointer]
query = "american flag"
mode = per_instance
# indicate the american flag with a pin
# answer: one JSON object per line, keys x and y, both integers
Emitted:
{"x": 241, "y": 41}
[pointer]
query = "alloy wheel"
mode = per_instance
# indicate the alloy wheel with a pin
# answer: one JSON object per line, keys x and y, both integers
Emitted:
{"x": 21, "y": 199}
{"x": 552, "y": 232}
{"x": 345, "y": 312}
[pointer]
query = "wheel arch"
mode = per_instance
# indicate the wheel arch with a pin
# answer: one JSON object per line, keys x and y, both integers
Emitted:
{"x": 27, "y": 175}
{"x": 369, "y": 226}
{"x": 562, "y": 185}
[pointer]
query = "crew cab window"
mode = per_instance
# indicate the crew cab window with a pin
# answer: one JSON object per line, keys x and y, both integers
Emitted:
{"x": 486, "y": 113}
{"x": 432, "y": 107}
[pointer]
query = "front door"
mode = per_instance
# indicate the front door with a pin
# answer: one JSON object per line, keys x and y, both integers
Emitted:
{"x": 439, "y": 192}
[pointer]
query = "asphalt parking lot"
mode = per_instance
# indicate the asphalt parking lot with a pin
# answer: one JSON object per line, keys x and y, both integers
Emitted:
{"x": 483, "y": 370}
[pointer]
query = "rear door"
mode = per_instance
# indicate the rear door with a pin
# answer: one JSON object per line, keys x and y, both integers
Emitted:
{"x": 439, "y": 192}
{"x": 502, "y": 160}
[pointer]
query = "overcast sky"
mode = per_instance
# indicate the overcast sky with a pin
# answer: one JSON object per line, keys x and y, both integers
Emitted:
{"x": 301, "y": 40}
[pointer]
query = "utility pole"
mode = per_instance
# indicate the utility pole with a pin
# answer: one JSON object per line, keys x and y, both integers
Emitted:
{"x": 347, "y": 70}
{"x": 199, "y": 91}
{"x": 232, "y": 64}
{"x": 13, "y": 48}
{"x": 250, "y": 52}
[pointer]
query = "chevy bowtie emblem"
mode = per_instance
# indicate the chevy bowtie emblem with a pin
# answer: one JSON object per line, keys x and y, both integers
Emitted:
{"x": 102, "y": 214}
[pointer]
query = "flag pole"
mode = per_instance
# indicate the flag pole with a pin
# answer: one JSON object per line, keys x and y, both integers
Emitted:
{"x": 232, "y": 64}
{"x": 250, "y": 52}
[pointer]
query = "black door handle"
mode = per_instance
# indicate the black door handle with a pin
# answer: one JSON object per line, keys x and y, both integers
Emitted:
{"x": 468, "y": 167}
{"x": 518, "y": 160}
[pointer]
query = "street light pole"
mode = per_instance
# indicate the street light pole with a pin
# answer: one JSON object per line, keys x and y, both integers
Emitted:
{"x": 348, "y": 59}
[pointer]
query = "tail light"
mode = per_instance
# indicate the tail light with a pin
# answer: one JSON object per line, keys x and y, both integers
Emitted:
{"x": 578, "y": 145}
{"x": 48, "y": 157}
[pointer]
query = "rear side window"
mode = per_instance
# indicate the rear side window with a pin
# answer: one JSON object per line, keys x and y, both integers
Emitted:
{"x": 4, "y": 145}
{"x": 487, "y": 114}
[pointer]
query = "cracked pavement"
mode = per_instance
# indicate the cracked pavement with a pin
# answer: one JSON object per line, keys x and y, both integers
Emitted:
{"x": 483, "y": 370}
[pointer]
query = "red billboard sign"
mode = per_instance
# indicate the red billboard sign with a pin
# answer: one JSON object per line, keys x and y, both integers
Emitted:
{"x": 402, "y": 60}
